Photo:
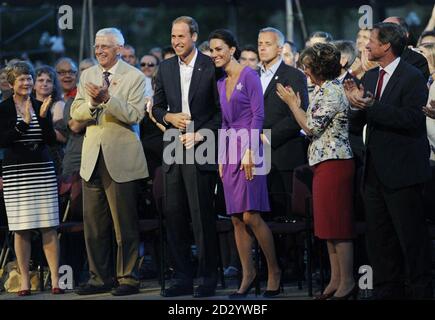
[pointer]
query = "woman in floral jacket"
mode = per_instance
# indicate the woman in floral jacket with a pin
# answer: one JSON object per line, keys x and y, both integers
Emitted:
{"x": 330, "y": 154}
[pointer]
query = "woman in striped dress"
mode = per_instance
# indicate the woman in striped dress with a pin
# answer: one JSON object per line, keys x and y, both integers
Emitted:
{"x": 29, "y": 179}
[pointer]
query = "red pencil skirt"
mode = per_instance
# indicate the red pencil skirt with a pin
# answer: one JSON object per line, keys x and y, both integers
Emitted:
{"x": 333, "y": 199}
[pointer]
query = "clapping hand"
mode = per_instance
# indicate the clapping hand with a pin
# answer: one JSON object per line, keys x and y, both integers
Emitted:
{"x": 355, "y": 95}
{"x": 98, "y": 94}
{"x": 287, "y": 95}
{"x": 429, "y": 110}
{"x": 27, "y": 116}
{"x": 45, "y": 106}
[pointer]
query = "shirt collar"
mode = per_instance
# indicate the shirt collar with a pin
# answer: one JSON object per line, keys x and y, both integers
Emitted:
{"x": 192, "y": 62}
{"x": 272, "y": 69}
{"x": 391, "y": 67}
{"x": 111, "y": 70}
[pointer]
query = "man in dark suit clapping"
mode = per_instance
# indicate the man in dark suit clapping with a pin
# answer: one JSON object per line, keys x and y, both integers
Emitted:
{"x": 396, "y": 166}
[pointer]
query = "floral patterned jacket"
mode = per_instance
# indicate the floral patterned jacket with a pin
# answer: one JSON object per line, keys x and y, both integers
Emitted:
{"x": 327, "y": 119}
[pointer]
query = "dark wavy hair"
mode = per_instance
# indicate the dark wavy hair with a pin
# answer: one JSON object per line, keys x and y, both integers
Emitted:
{"x": 323, "y": 59}
{"x": 226, "y": 36}
{"x": 56, "y": 94}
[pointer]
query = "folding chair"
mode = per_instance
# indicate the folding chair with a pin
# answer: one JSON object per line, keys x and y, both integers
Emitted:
{"x": 302, "y": 207}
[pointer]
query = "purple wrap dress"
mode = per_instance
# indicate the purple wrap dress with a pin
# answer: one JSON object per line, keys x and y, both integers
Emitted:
{"x": 242, "y": 122}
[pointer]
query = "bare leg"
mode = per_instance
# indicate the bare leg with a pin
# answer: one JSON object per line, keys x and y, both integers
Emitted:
{"x": 22, "y": 247}
{"x": 50, "y": 245}
{"x": 265, "y": 239}
{"x": 345, "y": 259}
{"x": 244, "y": 243}
{"x": 334, "y": 282}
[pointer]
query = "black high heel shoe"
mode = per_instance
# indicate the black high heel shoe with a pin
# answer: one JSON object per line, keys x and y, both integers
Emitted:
{"x": 352, "y": 293}
{"x": 274, "y": 293}
{"x": 324, "y": 296}
{"x": 239, "y": 295}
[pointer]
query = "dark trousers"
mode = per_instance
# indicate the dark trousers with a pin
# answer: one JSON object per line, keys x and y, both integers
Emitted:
{"x": 280, "y": 186}
{"x": 397, "y": 239}
{"x": 106, "y": 201}
{"x": 187, "y": 190}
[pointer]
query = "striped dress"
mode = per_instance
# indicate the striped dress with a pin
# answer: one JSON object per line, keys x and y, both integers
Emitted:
{"x": 29, "y": 183}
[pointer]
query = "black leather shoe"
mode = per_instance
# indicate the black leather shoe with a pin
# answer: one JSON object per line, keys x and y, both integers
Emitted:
{"x": 241, "y": 295}
{"x": 175, "y": 291}
{"x": 125, "y": 290}
{"x": 352, "y": 293}
{"x": 203, "y": 291}
{"x": 88, "y": 289}
{"x": 273, "y": 293}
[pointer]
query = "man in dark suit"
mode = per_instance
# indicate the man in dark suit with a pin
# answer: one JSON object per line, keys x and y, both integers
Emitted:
{"x": 396, "y": 166}
{"x": 412, "y": 57}
{"x": 288, "y": 144}
{"x": 185, "y": 96}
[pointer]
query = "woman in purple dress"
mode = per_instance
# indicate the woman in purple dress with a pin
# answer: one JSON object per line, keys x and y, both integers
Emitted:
{"x": 240, "y": 150}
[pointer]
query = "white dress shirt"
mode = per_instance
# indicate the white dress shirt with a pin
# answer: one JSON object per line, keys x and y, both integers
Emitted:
{"x": 266, "y": 75}
{"x": 112, "y": 70}
{"x": 186, "y": 71}
{"x": 388, "y": 73}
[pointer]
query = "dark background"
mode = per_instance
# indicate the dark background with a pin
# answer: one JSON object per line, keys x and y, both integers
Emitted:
{"x": 146, "y": 24}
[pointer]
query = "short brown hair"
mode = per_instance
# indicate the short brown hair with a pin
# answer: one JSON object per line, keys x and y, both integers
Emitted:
{"x": 323, "y": 59}
{"x": 193, "y": 25}
{"x": 16, "y": 69}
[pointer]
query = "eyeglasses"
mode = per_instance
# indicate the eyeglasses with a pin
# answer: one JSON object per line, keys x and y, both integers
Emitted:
{"x": 149, "y": 65}
{"x": 66, "y": 72}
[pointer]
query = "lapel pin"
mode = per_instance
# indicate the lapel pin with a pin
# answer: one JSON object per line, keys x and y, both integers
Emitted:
{"x": 199, "y": 69}
{"x": 239, "y": 86}
{"x": 276, "y": 78}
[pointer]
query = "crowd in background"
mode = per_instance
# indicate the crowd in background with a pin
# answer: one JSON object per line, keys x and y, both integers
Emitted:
{"x": 319, "y": 101}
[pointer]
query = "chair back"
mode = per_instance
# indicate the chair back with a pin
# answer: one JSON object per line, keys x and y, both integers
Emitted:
{"x": 302, "y": 189}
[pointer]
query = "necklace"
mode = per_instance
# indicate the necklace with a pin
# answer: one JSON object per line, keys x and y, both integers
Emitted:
{"x": 21, "y": 107}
